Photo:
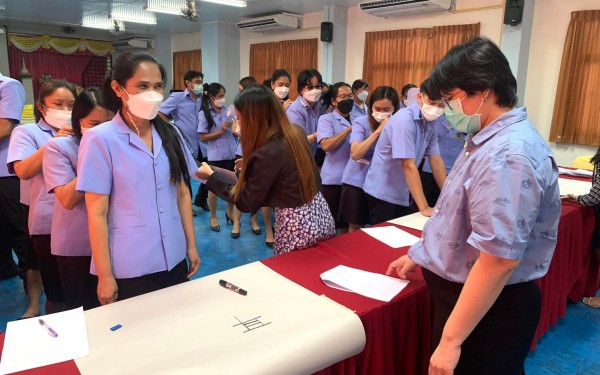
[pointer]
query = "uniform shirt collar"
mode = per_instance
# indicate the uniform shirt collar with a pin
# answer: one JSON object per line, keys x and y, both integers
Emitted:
{"x": 415, "y": 110}
{"x": 341, "y": 119}
{"x": 42, "y": 124}
{"x": 507, "y": 119}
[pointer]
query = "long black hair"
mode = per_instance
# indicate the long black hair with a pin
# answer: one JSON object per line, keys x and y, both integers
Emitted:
{"x": 123, "y": 70}
{"x": 85, "y": 102}
{"x": 210, "y": 90}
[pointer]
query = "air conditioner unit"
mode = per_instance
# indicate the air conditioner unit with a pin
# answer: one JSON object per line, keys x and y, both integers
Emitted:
{"x": 275, "y": 22}
{"x": 388, "y": 8}
{"x": 133, "y": 43}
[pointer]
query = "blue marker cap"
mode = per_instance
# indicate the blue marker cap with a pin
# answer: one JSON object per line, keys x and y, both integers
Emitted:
{"x": 115, "y": 327}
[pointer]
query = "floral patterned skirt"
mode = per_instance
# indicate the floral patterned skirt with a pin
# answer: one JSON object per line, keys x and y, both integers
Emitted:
{"x": 304, "y": 226}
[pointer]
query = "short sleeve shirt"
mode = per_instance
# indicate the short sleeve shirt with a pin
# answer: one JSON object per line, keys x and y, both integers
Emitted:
{"x": 24, "y": 142}
{"x": 222, "y": 148}
{"x": 502, "y": 198}
{"x": 12, "y": 101}
{"x": 406, "y": 136}
{"x": 69, "y": 231}
{"x": 185, "y": 111}
{"x": 450, "y": 143}
{"x": 335, "y": 162}
{"x": 145, "y": 233}
{"x": 356, "y": 170}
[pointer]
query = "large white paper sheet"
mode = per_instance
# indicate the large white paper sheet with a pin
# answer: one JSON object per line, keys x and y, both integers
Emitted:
{"x": 414, "y": 221}
{"x": 392, "y": 236}
{"x": 28, "y": 345}
{"x": 200, "y": 327}
{"x": 368, "y": 284}
{"x": 575, "y": 172}
{"x": 574, "y": 187}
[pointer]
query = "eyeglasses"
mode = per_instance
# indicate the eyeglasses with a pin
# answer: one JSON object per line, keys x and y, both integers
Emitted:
{"x": 315, "y": 87}
{"x": 451, "y": 98}
{"x": 345, "y": 97}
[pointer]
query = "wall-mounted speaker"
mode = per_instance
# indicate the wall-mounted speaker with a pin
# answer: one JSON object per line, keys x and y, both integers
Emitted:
{"x": 326, "y": 32}
{"x": 513, "y": 13}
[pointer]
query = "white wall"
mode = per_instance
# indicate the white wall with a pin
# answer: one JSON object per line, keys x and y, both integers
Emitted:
{"x": 311, "y": 29}
{"x": 550, "y": 24}
{"x": 185, "y": 42}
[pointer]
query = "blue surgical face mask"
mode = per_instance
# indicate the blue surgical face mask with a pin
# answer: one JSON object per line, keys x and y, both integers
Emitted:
{"x": 458, "y": 120}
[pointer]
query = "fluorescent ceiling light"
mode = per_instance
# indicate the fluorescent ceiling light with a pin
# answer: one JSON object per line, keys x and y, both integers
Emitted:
{"x": 128, "y": 13}
{"x": 233, "y": 3}
{"x": 98, "y": 21}
{"x": 166, "y": 6}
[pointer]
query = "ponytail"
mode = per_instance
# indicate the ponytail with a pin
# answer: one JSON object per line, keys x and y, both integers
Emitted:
{"x": 210, "y": 90}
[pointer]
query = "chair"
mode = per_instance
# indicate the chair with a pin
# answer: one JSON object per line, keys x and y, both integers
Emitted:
{"x": 583, "y": 162}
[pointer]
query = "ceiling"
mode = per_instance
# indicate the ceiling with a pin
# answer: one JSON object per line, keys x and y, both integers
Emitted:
{"x": 23, "y": 15}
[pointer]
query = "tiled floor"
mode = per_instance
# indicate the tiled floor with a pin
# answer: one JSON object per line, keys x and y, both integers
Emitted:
{"x": 571, "y": 347}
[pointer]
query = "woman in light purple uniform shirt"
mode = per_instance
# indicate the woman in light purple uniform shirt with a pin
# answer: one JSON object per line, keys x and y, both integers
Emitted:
{"x": 354, "y": 208}
{"x": 215, "y": 128}
{"x": 25, "y": 157}
{"x": 333, "y": 135}
{"x": 70, "y": 240}
{"x": 133, "y": 171}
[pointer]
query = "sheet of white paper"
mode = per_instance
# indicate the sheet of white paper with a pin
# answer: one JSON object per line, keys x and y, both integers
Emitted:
{"x": 414, "y": 221}
{"x": 392, "y": 236}
{"x": 574, "y": 187}
{"x": 368, "y": 284}
{"x": 575, "y": 172}
{"x": 199, "y": 327}
{"x": 28, "y": 345}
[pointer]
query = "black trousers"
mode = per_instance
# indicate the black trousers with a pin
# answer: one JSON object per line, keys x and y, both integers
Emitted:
{"x": 78, "y": 284}
{"x": 430, "y": 188}
{"x": 48, "y": 267}
{"x": 202, "y": 193}
{"x": 380, "y": 211}
{"x": 13, "y": 225}
{"x": 136, "y": 286}
{"x": 332, "y": 195}
{"x": 500, "y": 342}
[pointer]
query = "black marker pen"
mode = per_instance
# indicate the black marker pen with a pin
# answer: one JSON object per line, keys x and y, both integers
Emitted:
{"x": 232, "y": 287}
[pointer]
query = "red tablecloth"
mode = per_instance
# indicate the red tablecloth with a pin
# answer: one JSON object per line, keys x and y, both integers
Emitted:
{"x": 398, "y": 333}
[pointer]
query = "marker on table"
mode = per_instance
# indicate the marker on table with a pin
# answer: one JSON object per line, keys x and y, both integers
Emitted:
{"x": 232, "y": 287}
{"x": 51, "y": 332}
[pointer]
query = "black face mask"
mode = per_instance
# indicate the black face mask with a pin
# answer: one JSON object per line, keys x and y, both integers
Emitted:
{"x": 345, "y": 106}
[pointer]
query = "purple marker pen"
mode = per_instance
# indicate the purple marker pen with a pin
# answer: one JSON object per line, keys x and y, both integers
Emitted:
{"x": 51, "y": 332}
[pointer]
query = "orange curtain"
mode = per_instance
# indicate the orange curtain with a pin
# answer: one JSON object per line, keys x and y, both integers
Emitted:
{"x": 576, "y": 112}
{"x": 291, "y": 55}
{"x": 183, "y": 62}
{"x": 397, "y": 57}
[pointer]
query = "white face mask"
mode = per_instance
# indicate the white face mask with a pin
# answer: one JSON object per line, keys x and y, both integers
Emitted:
{"x": 197, "y": 89}
{"x": 363, "y": 96}
{"x": 281, "y": 91}
{"x": 312, "y": 96}
{"x": 405, "y": 101}
{"x": 381, "y": 116}
{"x": 219, "y": 102}
{"x": 145, "y": 104}
{"x": 431, "y": 112}
{"x": 58, "y": 118}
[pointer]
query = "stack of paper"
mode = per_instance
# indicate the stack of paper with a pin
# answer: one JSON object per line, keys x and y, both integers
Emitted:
{"x": 573, "y": 187}
{"x": 28, "y": 344}
{"x": 414, "y": 221}
{"x": 575, "y": 172}
{"x": 392, "y": 236}
{"x": 368, "y": 284}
